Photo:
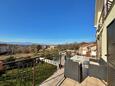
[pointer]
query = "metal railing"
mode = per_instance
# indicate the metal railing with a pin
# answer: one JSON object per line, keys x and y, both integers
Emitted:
{"x": 29, "y": 72}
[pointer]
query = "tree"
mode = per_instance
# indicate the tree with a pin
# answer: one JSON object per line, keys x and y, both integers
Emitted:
{"x": 55, "y": 54}
{"x": 38, "y": 47}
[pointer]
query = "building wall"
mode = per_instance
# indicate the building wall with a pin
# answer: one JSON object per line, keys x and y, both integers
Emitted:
{"x": 93, "y": 51}
{"x": 83, "y": 50}
{"x": 98, "y": 9}
{"x": 108, "y": 20}
{"x": 88, "y": 50}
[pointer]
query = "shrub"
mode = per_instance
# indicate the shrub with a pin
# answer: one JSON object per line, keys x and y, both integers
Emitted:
{"x": 11, "y": 58}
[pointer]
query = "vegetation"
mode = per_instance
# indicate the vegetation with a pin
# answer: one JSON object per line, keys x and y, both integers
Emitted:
{"x": 10, "y": 58}
{"x": 40, "y": 50}
{"x": 52, "y": 54}
{"x": 16, "y": 49}
{"x": 24, "y": 76}
{"x": 70, "y": 46}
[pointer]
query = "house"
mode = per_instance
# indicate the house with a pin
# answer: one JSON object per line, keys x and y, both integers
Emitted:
{"x": 4, "y": 48}
{"x": 83, "y": 49}
{"x": 105, "y": 33}
{"x": 71, "y": 52}
{"x": 88, "y": 50}
{"x": 93, "y": 50}
{"x": 44, "y": 46}
{"x": 51, "y": 47}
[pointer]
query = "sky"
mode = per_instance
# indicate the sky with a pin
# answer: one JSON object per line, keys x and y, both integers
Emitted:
{"x": 47, "y": 21}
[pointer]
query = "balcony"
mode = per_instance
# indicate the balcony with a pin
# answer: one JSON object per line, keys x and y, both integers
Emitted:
{"x": 70, "y": 75}
{"x": 105, "y": 11}
{"x": 26, "y": 72}
{"x": 35, "y": 72}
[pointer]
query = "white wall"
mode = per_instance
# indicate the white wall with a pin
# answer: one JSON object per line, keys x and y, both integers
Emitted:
{"x": 93, "y": 53}
{"x": 108, "y": 20}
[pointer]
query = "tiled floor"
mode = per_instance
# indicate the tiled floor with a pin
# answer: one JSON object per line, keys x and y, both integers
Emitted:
{"x": 89, "y": 81}
{"x": 70, "y": 82}
{"x": 54, "y": 79}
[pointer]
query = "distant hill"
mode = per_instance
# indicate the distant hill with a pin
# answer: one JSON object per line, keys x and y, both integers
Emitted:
{"x": 18, "y": 43}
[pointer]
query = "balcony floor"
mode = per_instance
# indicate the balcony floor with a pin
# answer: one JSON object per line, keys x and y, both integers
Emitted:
{"x": 54, "y": 79}
{"x": 89, "y": 81}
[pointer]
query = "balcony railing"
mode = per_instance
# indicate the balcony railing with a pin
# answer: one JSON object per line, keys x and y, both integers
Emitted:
{"x": 28, "y": 72}
{"x": 105, "y": 11}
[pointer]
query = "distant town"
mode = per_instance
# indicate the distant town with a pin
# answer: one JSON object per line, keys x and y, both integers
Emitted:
{"x": 23, "y": 51}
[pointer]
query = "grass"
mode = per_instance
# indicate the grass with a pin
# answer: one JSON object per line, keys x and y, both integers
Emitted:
{"x": 24, "y": 76}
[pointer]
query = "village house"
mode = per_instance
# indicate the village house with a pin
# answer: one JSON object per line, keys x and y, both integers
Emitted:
{"x": 71, "y": 52}
{"x": 83, "y": 49}
{"x": 88, "y": 49}
{"x": 4, "y": 48}
{"x": 51, "y": 47}
{"x": 93, "y": 50}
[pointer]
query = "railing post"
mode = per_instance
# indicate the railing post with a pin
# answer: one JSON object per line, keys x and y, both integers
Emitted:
{"x": 33, "y": 70}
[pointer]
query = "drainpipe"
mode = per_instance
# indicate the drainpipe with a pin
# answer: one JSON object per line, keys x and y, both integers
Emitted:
{"x": 33, "y": 69}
